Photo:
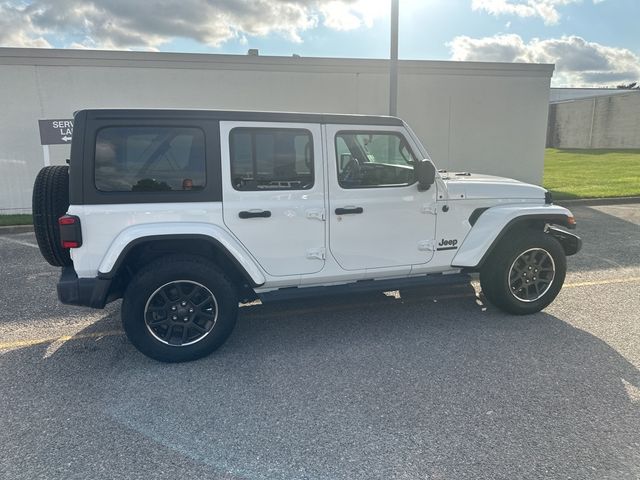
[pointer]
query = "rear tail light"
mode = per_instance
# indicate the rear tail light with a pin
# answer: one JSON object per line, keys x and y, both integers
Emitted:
{"x": 70, "y": 231}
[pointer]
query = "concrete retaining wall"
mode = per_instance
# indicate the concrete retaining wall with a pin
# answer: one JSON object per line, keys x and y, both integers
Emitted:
{"x": 599, "y": 122}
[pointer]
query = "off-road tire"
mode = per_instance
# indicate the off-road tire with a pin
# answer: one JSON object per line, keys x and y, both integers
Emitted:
{"x": 494, "y": 275}
{"x": 170, "y": 270}
{"x": 50, "y": 201}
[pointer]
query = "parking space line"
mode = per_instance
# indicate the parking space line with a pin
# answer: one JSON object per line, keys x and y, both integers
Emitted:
{"x": 64, "y": 338}
{"x": 110, "y": 333}
{"x": 610, "y": 281}
{"x": 19, "y": 242}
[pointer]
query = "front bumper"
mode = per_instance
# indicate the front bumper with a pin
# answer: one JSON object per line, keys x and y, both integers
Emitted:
{"x": 85, "y": 292}
{"x": 569, "y": 241}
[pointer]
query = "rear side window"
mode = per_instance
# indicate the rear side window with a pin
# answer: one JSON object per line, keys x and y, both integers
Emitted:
{"x": 150, "y": 159}
{"x": 271, "y": 159}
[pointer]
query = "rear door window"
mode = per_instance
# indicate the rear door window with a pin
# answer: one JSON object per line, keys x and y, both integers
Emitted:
{"x": 271, "y": 159}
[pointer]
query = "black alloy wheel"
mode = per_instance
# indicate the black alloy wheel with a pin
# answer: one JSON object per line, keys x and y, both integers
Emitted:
{"x": 531, "y": 274}
{"x": 181, "y": 313}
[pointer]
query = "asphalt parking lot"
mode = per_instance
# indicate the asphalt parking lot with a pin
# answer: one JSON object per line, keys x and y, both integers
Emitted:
{"x": 427, "y": 384}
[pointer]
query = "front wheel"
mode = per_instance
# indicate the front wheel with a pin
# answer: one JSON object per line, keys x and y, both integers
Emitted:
{"x": 525, "y": 272}
{"x": 179, "y": 308}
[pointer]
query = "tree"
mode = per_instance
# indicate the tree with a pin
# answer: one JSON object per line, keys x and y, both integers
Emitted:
{"x": 630, "y": 86}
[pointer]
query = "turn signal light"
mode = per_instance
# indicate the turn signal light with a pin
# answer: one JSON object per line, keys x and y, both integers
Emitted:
{"x": 67, "y": 220}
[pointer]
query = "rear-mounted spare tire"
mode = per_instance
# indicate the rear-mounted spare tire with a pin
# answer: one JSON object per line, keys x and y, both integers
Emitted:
{"x": 50, "y": 202}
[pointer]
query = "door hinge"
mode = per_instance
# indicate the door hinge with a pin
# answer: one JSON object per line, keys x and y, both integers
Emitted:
{"x": 427, "y": 245}
{"x": 316, "y": 253}
{"x": 432, "y": 209}
{"x": 316, "y": 214}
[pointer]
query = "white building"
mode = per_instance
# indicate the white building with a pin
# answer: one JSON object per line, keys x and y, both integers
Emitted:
{"x": 485, "y": 117}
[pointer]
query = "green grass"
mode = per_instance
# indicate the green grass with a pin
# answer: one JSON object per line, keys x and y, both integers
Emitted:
{"x": 20, "y": 219}
{"x": 592, "y": 173}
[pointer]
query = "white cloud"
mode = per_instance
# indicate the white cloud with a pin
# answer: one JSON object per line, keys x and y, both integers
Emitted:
{"x": 547, "y": 10}
{"x": 578, "y": 62}
{"x": 17, "y": 29}
{"x": 341, "y": 15}
{"x": 125, "y": 24}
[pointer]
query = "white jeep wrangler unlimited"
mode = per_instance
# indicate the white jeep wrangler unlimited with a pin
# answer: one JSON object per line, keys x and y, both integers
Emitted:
{"x": 186, "y": 214}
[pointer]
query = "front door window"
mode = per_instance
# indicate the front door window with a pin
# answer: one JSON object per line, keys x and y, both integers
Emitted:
{"x": 373, "y": 159}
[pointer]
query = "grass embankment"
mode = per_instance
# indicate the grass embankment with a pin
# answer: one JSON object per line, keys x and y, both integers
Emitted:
{"x": 20, "y": 219}
{"x": 572, "y": 174}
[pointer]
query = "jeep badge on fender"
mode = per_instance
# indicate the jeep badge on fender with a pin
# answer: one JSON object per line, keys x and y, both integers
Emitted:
{"x": 447, "y": 244}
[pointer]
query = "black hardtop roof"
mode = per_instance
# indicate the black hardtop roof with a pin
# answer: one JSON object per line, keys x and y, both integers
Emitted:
{"x": 242, "y": 115}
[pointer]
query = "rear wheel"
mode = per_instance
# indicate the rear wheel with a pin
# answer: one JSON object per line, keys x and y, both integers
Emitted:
{"x": 179, "y": 308}
{"x": 525, "y": 272}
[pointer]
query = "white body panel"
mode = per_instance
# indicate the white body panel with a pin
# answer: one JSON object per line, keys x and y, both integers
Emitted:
{"x": 390, "y": 241}
{"x": 462, "y": 185}
{"x": 397, "y": 225}
{"x": 491, "y": 223}
{"x": 108, "y": 229}
{"x": 292, "y": 240}
{"x": 224, "y": 238}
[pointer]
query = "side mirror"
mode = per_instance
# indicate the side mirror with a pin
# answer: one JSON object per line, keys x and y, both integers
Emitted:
{"x": 345, "y": 159}
{"x": 426, "y": 173}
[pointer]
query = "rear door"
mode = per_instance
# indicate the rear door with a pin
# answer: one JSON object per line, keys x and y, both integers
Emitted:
{"x": 273, "y": 193}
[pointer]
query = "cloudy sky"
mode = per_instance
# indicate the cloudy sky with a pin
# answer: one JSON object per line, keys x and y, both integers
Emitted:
{"x": 592, "y": 42}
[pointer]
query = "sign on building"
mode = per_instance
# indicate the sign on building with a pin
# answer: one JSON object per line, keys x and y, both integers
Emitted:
{"x": 55, "y": 132}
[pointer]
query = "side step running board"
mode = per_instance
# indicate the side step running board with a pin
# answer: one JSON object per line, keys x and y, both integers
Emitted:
{"x": 291, "y": 293}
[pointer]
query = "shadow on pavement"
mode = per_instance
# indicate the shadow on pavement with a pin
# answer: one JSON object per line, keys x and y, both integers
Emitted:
{"x": 390, "y": 388}
{"x": 609, "y": 241}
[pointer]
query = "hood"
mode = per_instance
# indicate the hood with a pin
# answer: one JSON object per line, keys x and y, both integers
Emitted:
{"x": 464, "y": 185}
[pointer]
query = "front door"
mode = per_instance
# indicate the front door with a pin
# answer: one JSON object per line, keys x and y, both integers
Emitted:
{"x": 273, "y": 191}
{"x": 377, "y": 217}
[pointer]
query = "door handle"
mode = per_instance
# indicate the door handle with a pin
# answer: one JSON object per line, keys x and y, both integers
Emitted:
{"x": 255, "y": 214}
{"x": 349, "y": 210}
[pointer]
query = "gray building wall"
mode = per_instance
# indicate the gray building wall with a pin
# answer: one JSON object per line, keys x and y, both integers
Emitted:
{"x": 486, "y": 117}
{"x": 600, "y": 122}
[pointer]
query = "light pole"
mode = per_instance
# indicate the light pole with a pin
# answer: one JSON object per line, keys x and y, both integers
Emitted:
{"x": 393, "y": 64}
